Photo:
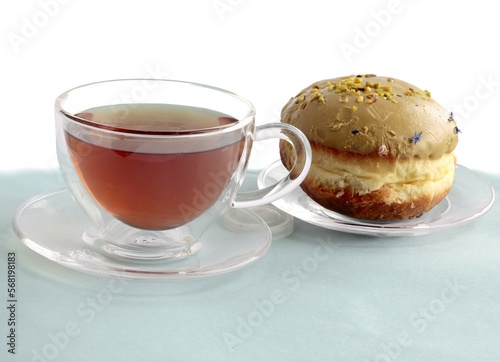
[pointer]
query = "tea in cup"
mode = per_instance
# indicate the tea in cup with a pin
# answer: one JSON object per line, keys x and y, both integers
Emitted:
{"x": 154, "y": 162}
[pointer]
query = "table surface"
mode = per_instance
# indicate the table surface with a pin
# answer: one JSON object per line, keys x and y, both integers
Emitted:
{"x": 317, "y": 295}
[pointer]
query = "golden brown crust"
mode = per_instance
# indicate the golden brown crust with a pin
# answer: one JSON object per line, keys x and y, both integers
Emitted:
{"x": 391, "y": 190}
{"x": 373, "y": 206}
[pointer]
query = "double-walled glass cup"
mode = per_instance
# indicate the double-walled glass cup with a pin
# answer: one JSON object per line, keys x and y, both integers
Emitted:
{"x": 154, "y": 162}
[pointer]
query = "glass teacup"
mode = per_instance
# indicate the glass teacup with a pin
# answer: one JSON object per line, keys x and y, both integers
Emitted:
{"x": 154, "y": 162}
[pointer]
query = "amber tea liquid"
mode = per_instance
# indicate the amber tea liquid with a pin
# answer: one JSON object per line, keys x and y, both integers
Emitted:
{"x": 154, "y": 190}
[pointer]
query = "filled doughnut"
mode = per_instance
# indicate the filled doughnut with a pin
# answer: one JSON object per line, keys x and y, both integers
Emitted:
{"x": 382, "y": 147}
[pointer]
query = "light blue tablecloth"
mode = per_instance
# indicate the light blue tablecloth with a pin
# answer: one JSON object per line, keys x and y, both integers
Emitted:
{"x": 317, "y": 295}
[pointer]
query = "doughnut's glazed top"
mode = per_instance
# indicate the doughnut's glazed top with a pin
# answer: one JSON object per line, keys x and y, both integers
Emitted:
{"x": 371, "y": 115}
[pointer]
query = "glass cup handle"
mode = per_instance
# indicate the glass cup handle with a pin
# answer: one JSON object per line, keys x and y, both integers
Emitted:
{"x": 303, "y": 159}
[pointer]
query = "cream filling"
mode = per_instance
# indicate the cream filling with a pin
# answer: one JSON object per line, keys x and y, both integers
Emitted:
{"x": 408, "y": 178}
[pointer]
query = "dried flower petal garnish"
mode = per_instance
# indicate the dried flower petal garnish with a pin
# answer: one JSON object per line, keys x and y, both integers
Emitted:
{"x": 416, "y": 137}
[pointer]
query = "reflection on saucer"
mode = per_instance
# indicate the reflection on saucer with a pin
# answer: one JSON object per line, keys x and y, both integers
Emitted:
{"x": 280, "y": 223}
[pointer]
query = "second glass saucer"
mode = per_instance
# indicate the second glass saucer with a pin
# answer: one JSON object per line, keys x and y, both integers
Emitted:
{"x": 469, "y": 198}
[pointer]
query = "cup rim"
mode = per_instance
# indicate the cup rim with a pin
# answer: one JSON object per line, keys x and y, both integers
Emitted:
{"x": 241, "y": 123}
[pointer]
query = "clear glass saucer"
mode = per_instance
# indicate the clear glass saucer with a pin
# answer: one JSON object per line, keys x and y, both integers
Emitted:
{"x": 469, "y": 198}
{"x": 53, "y": 225}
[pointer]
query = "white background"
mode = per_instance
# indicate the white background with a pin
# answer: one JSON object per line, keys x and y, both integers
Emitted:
{"x": 263, "y": 50}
